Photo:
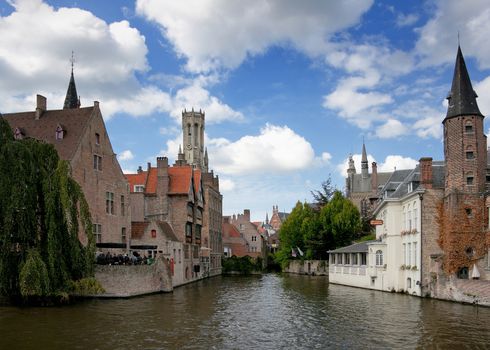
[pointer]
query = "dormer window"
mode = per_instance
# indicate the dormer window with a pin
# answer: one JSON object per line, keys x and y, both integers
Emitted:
{"x": 410, "y": 187}
{"x": 139, "y": 188}
{"x": 19, "y": 134}
{"x": 60, "y": 132}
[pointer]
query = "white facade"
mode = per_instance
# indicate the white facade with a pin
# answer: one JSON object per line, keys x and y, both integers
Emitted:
{"x": 394, "y": 259}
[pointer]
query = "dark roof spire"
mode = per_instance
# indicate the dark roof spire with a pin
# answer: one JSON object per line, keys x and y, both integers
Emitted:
{"x": 462, "y": 98}
{"x": 72, "y": 100}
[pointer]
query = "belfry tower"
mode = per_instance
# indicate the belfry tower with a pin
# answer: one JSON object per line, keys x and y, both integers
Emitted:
{"x": 193, "y": 137}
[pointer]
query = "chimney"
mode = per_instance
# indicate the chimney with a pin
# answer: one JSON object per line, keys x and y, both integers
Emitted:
{"x": 96, "y": 104}
{"x": 162, "y": 162}
{"x": 41, "y": 104}
{"x": 226, "y": 219}
{"x": 246, "y": 214}
{"x": 426, "y": 172}
{"x": 148, "y": 166}
{"x": 140, "y": 169}
{"x": 374, "y": 177}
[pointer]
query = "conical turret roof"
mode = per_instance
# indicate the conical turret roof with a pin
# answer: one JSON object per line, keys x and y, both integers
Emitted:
{"x": 462, "y": 98}
{"x": 71, "y": 99}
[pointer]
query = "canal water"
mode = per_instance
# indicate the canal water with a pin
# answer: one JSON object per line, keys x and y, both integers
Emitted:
{"x": 262, "y": 312}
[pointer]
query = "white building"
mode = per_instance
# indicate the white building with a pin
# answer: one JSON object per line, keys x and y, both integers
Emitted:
{"x": 393, "y": 261}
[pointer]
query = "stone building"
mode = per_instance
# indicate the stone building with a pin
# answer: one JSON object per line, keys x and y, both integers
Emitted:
{"x": 362, "y": 189}
{"x": 80, "y": 137}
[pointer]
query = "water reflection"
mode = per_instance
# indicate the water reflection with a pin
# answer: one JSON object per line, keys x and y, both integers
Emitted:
{"x": 268, "y": 312}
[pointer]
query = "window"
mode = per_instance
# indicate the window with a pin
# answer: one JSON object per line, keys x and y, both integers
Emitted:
{"x": 97, "y": 139}
{"x": 409, "y": 254}
{"x": 18, "y": 134}
{"x": 415, "y": 215}
{"x": 60, "y": 133}
{"x": 410, "y": 187}
{"x": 97, "y": 228}
{"x": 123, "y": 209}
{"x": 354, "y": 259}
{"x": 347, "y": 259}
{"x": 468, "y": 128}
{"x": 404, "y": 254}
{"x": 409, "y": 218}
{"x": 469, "y": 212}
{"x": 109, "y": 203}
{"x": 139, "y": 188}
{"x": 190, "y": 210}
{"x": 198, "y": 233}
{"x": 123, "y": 234}
{"x": 469, "y": 180}
{"x": 188, "y": 231}
{"x": 409, "y": 283}
{"x": 363, "y": 259}
{"x": 153, "y": 233}
{"x": 97, "y": 162}
{"x": 414, "y": 253}
{"x": 470, "y": 155}
{"x": 379, "y": 258}
{"x": 254, "y": 238}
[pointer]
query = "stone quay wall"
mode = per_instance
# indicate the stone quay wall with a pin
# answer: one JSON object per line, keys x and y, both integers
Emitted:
{"x": 308, "y": 267}
{"x": 122, "y": 281}
{"x": 475, "y": 292}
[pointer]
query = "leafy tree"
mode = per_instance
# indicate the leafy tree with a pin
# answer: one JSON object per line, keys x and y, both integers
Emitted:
{"x": 42, "y": 211}
{"x": 323, "y": 196}
{"x": 340, "y": 220}
{"x": 291, "y": 232}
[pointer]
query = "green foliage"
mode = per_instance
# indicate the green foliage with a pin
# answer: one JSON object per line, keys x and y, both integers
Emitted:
{"x": 243, "y": 265}
{"x": 369, "y": 237}
{"x": 323, "y": 196}
{"x": 314, "y": 233}
{"x": 34, "y": 276}
{"x": 86, "y": 286}
{"x": 42, "y": 211}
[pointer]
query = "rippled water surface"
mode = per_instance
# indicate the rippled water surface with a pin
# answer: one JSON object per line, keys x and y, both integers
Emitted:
{"x": 267, "y": 312}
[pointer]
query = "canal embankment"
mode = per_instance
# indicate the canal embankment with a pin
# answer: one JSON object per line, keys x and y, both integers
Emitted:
{"x": 307, "y": 267}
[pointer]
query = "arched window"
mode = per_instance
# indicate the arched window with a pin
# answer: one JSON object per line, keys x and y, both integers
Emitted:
{"x": 379, "y": 258}
{"x": 468, "y": 127}
{"x": 60, "y": 132}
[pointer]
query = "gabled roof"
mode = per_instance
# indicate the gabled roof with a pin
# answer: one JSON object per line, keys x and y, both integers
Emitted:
{"x": 138, "y": 229}
{"x": 462, "y": 98}
{"x": 74, "y": 122}
{"x": 229, "y": 230}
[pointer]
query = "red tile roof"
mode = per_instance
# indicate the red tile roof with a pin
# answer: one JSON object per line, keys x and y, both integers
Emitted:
{"x": 230, "y": 230}
{"x": 180, "y": 179}
{"x": 74, "y": 122}
{"x": 151, "y": 181}
{"x": 136, "y": 179}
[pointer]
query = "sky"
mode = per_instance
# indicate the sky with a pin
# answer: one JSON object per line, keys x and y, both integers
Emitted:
{"x": 290, "y": 88}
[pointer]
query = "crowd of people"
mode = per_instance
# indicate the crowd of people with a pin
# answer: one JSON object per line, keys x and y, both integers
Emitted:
{"x": 122, "y": 259}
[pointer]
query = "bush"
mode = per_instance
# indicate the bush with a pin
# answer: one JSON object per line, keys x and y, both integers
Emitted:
{"x": 244, "y": 265}
{"x": 86, "y": 286}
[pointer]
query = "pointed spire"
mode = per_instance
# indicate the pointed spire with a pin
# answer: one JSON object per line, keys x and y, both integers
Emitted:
{"x": 364, "y": 161}
{"x": 267, "y": 218}
{"x": 72, "y": 100}
{"x": 206, "y": 160}
{"x": 352, "y": 167}
{"x": 462, "y": 98}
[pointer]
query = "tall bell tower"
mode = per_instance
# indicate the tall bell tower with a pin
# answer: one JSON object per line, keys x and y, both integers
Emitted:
{"x": 193, "y": 137}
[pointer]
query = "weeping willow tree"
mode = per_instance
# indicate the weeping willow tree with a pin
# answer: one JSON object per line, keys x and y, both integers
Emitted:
{"x": 42, "y": 211}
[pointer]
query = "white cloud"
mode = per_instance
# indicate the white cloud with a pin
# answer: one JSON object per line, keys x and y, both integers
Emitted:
{"x": 125, "y": 155}
{"x": 226, "y": 185}
{"x": 403, "y": 20}
{"x": 438, "y": 37}
{"x": 276, "y": 149}
{"x": 326, "y": 156}
{"x": 396, "y": 161}
{"x": 36, "y": 41}
{"x": 218, "y": 34}
{"x": 482, "y": 88}
{"x": 389, "y": 164}
{"x": 391, "y": 129}
{"x": 430, "y": 126}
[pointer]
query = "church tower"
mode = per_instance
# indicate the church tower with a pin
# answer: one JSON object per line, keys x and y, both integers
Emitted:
{"x": 465, "y": 143}
{"x": 193, "y": 132}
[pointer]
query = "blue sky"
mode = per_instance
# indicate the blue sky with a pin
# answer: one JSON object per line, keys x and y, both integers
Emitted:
{"x": 289, "y": 88}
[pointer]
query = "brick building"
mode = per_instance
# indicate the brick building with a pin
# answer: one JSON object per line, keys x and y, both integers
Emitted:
{"x": 277, "y": 218}
{"x": 233, "y": 242}
{"x": 80, "y": 137}
{"x": 256, "y": 243}
{"x": 186, "y": 196}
